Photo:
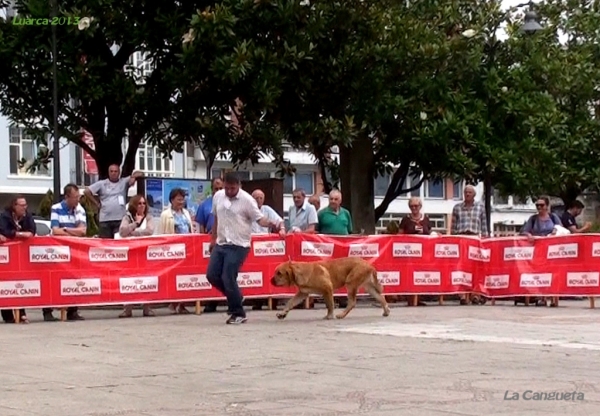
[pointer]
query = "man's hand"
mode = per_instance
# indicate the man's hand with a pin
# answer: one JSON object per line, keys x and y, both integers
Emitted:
{"x": 211, "y": 246}
{"x": 587, "y": 226}
{"x": 282, "y": 232}
{"x": 27, "y": 234}
{"x": 2, "y": 239}
{"x": 531, "y": 238}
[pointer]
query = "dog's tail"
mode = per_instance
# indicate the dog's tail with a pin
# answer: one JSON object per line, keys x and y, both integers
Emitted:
{"x": 376, "y": 283}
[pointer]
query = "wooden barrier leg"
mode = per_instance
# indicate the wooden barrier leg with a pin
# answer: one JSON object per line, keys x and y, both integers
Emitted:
{"x": 198, "y": 307}
{"x": 17, "y": 315}
{"x": 526, "y": 300}
{"x": 63, "y": 314}
{"x": 307, "y": 302}
{"x": 270, "y": 303}
{"x": 415, "y": 300}
{"x": 493, "y": 301}
{"x": 441, "y": 301}
{"x": 592, "y": 302}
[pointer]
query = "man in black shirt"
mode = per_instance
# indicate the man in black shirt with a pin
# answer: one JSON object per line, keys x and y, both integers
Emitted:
{"x": 16, "y": 223}
{"x": 568, "y": 218}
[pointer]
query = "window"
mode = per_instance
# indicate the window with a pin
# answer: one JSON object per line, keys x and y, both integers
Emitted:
{"x": 457, "y": 190}
{"x": 413, "y": 179}
{"x": 216, "y": 173}
{"x": 438, "y": 223}
{"x": 381, "y": 184}
{"x": 23, "y": 148}
{"x": 153, "y": 162}
{"x": 244, "y": 175}
{"x": 261, "y": 175}
{"x": 435, "y": 188}
{"x": 499, "y": 199}
{"x": 304, "y": 180}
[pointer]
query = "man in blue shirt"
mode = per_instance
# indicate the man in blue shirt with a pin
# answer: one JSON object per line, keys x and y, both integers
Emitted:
{"x": 68, "y": 219}
{"x": 205, "y": 220}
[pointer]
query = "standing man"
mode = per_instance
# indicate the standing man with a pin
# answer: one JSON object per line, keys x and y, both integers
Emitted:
{"x": 68, "y": 219}
{"x": 315, "y": 201}
{"x": 234, "y": 213}
{"x": 205, "y": 220}
{"x": 302, "y": 215}
{"x": 111, "y": 196}
{"x": 335, "y": 219}
{"x": 267, "y": 211}
{"x": 568, "y": 218}
{"x": 468, "y": 218}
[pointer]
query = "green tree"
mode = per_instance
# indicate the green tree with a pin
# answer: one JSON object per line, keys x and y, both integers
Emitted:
{"x": 98, "y": 91}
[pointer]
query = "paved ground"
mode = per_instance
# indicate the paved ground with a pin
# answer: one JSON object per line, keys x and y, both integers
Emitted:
{"x": 434, "y": 360}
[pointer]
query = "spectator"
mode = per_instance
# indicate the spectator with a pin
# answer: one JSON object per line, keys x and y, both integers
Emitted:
{"x": 136, "y": 223}
{"x": 268, "y": 212}
{"x": 302, "y": 215}
{"x": 176, "y": 220}
{"x": 415, "y": 222}
{"x": 235, "y": 211}
{"x": 541, "y": 224}
{"x": 111, "y": 196}
{"x": 334, "y": 219}
{"x": 205, "y": 220}
{"x": 568, "y": 218}
{"x": 315, "y": 201}
{"x": 468, "y": 218}
{"x": 16, "y": 223}
{"x": 68, "y": 219}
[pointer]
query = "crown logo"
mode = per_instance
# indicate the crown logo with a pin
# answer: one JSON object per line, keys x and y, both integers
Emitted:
{"x": 193, "y": 279}
{"x": 19, "y": 285}
{"x": 80, "y": 283}
{"x": 138, "y": 281}
{"x": 49, "y": 250}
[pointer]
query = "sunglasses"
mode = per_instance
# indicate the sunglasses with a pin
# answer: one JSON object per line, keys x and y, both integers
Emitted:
{"x": 141, "y": 203}
{"x": 414, "y": 206}
{"x": 540, "y": 205}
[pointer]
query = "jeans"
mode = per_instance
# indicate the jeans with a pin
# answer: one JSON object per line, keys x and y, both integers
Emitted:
{"x": 223, "y": 268}
{"x": 108, "y": 229}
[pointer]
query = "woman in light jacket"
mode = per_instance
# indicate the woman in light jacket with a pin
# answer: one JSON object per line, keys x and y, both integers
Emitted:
{"x": 136, "y": 223}
{"x": 176, "y": 220}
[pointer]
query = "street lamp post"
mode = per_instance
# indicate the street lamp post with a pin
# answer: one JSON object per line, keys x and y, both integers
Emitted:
{"x": 56, "y": 140}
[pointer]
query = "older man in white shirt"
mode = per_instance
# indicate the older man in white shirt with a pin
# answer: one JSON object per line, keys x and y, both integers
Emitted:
{"x": 302, "y": 215}
{"x": 267, "y": 211}
{"x": 234, "y": 212}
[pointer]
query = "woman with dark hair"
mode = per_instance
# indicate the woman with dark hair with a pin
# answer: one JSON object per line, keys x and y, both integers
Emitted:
{"x": 136, "y": 223}
{"x": 541, "y": 224}
{"x": 16, "y": 223}
{"x": 176, "y": 220}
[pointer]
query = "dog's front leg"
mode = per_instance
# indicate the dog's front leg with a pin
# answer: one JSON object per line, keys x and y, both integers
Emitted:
{"x": 329, "y": 303}
{"x": 292, "y": 303}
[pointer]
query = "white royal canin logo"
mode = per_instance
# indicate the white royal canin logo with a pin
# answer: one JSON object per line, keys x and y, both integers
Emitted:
{"x": 250, "y": 279}
{"x": 49, "y": 254}
{"x": 427, "y": 278}
{"x": 480, "y": 254}
{"x": 142, "y": 284}
{"x": 188, "y": 282}
{"x": 166, "y": 252}
{"x": 563, "y": 251}
{"x": 268, "y": 248}
{"x": 536, "y": 280}
{"x": 388, "y": 278}
{"x": 206, "y": 250}
{"x": 499, "y": 281}
{"x": 364, "y": 250}
{"x": 518, "y": 253}
{"x": 21, "y": 289}
{"x": 447, "y": 251}
{"x": 596, "y": 250}
{"x": 98, "y": 254}
{"x": 316, "y": 249}
{"x": 461, "y": 278}
{"x": 4, "y": 255}
{"x": 407, "y": 250}
{"x": 80, "y": 287}
{"x": 586, "y": 279}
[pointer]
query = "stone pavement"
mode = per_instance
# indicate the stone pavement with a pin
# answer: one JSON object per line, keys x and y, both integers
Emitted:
{"x": 434, "y": 360}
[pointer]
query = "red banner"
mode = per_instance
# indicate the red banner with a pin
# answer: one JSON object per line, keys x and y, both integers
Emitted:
{"x": 62, "y": 271}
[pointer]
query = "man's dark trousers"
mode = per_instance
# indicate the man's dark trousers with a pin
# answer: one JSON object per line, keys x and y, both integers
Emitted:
{"x": 223, "y": 268}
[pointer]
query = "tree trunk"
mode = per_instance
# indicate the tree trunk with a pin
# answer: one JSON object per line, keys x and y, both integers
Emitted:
{"x": 109, "y": 147}
{"x": 357, "y": 170}
{"x": 569, "y": 195}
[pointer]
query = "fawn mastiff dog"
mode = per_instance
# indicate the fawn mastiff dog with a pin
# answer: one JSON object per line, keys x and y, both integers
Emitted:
{"x": 324, "y": 277}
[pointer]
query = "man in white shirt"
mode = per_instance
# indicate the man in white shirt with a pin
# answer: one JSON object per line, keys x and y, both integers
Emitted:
{"x": 234, "y": 213}
{"x": 302, "y": 215}
{"x": 267, "y": 211}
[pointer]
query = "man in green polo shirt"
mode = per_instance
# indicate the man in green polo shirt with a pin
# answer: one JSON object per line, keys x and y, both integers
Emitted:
{"x": 335, "y": 220}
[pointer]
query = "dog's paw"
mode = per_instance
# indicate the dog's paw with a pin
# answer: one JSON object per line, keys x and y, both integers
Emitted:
{"x": 281, "y": 315}
{"x": 340, "y": 316}
{"x": 386, "y": 312}
{"x": 328, "y": 317}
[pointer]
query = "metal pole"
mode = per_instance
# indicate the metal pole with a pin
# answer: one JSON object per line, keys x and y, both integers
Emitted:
{"x": 56, "y": 145}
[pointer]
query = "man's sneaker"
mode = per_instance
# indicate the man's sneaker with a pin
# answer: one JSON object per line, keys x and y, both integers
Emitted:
{"x": 236, "y": 320}
{"x": 48, "y": 317}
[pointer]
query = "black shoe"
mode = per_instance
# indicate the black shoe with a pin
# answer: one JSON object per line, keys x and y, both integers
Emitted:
{"x": 75, "y": 317}
{"x": 9, "y": 321}
{"x": 210, "y": 309}
{"x": 236, "y": 320}
{"x": 48, "y": 317}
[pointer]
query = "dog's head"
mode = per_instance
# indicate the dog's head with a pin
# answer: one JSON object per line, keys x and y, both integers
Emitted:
{"x": 286, "y": 274}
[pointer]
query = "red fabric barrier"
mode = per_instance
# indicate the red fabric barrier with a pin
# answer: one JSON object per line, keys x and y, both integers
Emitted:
{"x": 60, "y": 271}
